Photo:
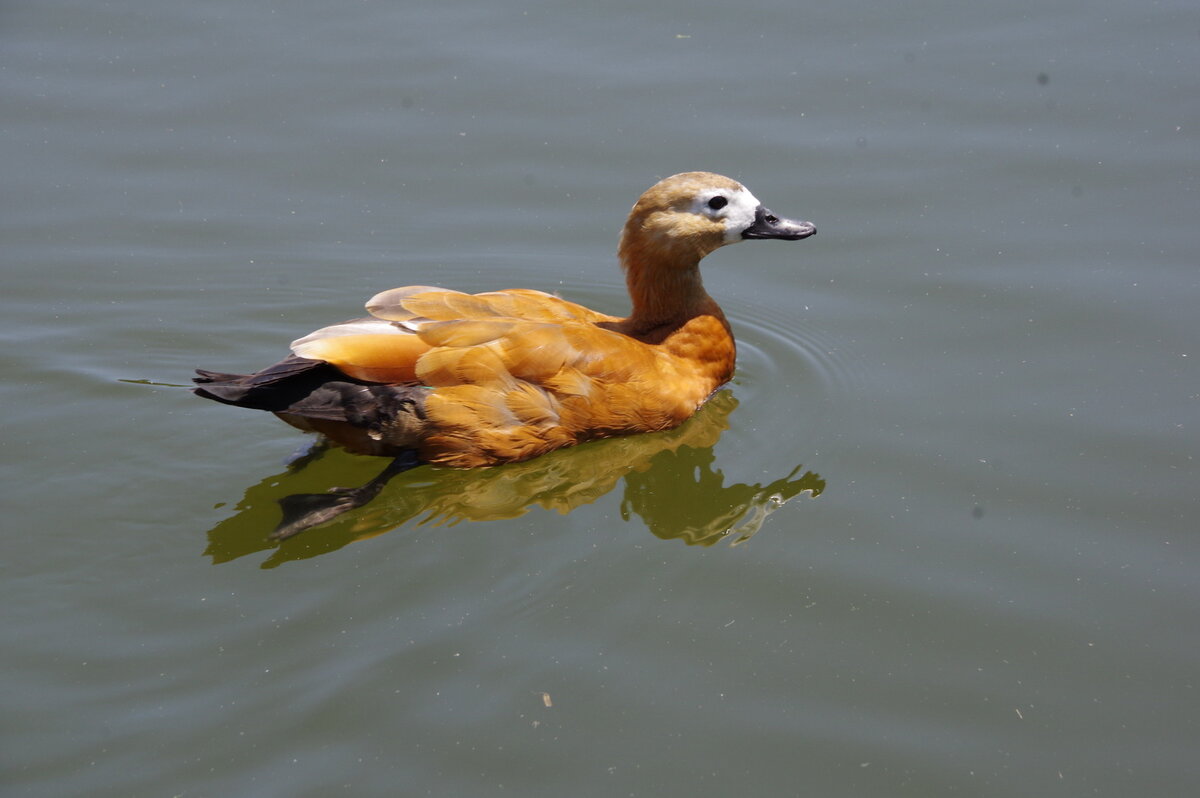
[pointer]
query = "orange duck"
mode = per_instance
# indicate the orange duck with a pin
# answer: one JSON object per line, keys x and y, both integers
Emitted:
{"x": 466, "y": 380}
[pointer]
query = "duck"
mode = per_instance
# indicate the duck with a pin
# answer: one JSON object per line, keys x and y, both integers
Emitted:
{"x": 443, "y": 377}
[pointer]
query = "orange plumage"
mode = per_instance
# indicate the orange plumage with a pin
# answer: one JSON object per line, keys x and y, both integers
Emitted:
{"x": 481, "y": 379}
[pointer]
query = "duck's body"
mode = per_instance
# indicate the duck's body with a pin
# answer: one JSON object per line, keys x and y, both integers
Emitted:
{"x": 472, "y": 380}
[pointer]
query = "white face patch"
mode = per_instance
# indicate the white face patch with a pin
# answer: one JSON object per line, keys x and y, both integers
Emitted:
{"x": 733, "y": 208}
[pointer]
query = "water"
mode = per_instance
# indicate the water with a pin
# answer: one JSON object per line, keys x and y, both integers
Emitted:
{"x": 959, "y": 452}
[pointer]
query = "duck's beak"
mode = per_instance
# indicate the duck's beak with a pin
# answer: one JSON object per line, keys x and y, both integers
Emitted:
{"x": 768, "y": 225}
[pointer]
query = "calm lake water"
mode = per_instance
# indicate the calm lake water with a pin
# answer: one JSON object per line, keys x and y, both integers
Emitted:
{"x": 939, "y": 537}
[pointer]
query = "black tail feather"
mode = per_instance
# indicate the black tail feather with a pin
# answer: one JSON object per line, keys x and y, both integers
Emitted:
{"x": 313, "y": 395}
{"x": 275, "y": 388}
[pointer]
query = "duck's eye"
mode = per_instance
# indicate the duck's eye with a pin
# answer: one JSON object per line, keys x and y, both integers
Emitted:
{"x": 717, "y": 203}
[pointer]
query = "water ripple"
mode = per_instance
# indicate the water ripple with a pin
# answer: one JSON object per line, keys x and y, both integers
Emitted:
{"x": 779, "y": 350}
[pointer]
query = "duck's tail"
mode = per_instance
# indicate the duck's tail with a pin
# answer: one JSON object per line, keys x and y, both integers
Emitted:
{"x": 312, "y": 395}
{"x": 275, "y": 388}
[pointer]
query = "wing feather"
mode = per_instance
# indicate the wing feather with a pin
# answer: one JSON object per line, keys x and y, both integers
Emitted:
{"x": 389, "y": 304}
{"x": 367, "y": 349}
{"x": 464, "y": 333}
{"x": 532, "y": 406}
{"x": 445, "y": 367}
{"x": 448, "y": 306}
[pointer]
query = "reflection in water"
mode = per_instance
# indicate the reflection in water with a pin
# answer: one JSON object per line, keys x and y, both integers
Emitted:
{"x": 669, "y": 482}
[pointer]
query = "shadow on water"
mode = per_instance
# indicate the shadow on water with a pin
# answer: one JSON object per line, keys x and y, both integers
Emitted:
{"x": 670, "y": 483}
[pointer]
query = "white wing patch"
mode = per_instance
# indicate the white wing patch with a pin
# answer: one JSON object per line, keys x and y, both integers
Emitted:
{"x": 306, "y": 346}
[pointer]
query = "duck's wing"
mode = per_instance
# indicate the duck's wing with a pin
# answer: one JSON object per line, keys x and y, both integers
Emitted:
{"x": 439, "y": 304}
{"x": 386, "y": 347}
{"x": 509, "y": 389}
{"x": 507, "y": 375}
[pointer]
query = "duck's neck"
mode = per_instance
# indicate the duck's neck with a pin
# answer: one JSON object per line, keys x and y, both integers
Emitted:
{"x": 666, "y": 291}
{"x": 671, "y": 309}
{"x": 661, "y": 296}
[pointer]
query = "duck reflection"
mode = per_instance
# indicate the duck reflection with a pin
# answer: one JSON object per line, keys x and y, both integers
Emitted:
{"x": 669, "y": 477}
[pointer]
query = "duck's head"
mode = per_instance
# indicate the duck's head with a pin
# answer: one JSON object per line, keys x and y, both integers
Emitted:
{"x": 681, "y": 219}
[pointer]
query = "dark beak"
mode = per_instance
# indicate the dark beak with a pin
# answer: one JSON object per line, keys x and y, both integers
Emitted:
{"x": 768, "y": 225}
